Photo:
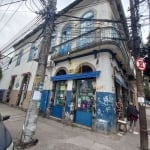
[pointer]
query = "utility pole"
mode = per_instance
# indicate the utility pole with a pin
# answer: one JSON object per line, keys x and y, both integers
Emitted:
{"x": 136, "y": 43}
{"x": 30, "y": 123}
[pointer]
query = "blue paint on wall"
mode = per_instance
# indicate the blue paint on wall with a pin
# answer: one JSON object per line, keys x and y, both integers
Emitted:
{"x": 44, "y": 100}
{"x": 57, "y": 111}
{"x": 83, "y": 118}
{"x": 68, "y": 101}
{"x": 2, "y": 92}
{"x": 105, "y": 111}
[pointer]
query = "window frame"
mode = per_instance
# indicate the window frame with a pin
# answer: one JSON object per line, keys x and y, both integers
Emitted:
{"x": 20, "y": 54}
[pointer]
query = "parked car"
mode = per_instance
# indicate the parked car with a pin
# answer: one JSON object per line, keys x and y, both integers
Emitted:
{"x": 6, "y": 142}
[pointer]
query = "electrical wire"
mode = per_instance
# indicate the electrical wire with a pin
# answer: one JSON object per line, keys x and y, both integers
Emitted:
{"x": 1, "y": 2}
{"x": 38, "y": 37}
{"x": 10, "y": 17}
{"x": 84, "y": 6}
{"x": 29, "y": 27}
{"x": 5, "y": 13}
{"x": 87, "y": 19}
{"x": 12, "y": 3}
{"x": 77, "y": 30}
{"x": 35, "y": 5}
{"x": 10, "y": 11}
{"x": 79, "y": 36}
{"x": 30, "y": 8}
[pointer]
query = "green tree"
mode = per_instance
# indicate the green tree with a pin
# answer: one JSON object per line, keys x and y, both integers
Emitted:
{"x": 147, "y": 60}
{"x": 1, "y": 74}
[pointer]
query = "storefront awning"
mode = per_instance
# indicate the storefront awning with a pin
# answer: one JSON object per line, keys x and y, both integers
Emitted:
{"x": 76, "y": 76}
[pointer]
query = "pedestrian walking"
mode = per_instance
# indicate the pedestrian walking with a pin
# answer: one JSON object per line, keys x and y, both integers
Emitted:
{"x": 132, "y": 115}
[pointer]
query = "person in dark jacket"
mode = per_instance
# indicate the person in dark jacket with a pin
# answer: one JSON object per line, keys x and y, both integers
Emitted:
{"x": 132, "y": 115}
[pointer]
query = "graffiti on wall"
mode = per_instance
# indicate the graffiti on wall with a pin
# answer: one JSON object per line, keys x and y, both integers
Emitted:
{"x": 105, "y": 111}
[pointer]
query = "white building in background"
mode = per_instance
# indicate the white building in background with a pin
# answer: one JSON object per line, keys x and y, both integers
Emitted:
{"x": 17, "y": 81}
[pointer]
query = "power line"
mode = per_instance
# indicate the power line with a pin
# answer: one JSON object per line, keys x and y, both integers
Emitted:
{"x": 11, "y": 11}
{"x": 30, "y": 8}
{"x": 10, "y": 17}
{"x": 5, "y": 12}
{"x": 29, "y": 27}
{"x": 87, "y": 19}
{"x": 1, "y": 2}
{"x": 12, "y": 3}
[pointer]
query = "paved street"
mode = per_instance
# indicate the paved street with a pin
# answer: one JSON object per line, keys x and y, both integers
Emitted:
{"x": 53, "y": 135}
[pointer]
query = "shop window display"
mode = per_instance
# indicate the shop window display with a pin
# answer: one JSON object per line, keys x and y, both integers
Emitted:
{"x": 85, "y": 95}
{"x": 60, "y": 94}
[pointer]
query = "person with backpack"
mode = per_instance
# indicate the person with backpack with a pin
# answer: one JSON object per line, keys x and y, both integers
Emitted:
{"x": 132, "y": 116}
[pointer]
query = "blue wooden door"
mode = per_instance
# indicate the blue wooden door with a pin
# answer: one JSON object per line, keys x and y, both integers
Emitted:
{"x": 44, "y": 100}
{"x": 83, "y": 118}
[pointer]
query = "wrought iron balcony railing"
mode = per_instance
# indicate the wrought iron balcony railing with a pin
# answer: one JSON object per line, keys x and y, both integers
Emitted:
{"x": 89, "y": 39}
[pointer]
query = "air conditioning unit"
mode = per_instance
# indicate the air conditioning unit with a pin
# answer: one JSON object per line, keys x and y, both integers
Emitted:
{"x": 50, "y": 63}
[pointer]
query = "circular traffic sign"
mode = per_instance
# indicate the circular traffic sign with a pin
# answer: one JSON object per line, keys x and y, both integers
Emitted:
{"x": 140, "y": 63}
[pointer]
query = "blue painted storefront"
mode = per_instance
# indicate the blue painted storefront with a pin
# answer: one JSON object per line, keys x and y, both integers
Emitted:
{"x": 80, "y": 117}
{"x": 44, "y": 100}
{"x": 105, "y": 111}
{"x": 57, "y": 111}
{"x": 83, "y": 118}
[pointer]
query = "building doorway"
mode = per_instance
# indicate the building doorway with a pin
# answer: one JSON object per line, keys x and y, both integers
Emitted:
{"x": 23, "y": 89}
{"x": 11, "y": 85}
{"x": 85, "y": 95}
{"x": 59, "y": 100}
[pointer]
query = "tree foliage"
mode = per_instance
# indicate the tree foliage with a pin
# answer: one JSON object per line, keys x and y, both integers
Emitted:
{"x": 147, "y": 60}
{"x": 1, "y": 75}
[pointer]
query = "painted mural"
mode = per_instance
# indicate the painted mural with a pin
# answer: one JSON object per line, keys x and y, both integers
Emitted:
{"x": 105, "y": 111}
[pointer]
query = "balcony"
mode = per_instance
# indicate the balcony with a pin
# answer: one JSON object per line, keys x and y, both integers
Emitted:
{"x": 93, "y": 38}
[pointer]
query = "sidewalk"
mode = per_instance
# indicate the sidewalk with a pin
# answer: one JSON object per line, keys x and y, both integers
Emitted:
{"x": 53, "y": 135}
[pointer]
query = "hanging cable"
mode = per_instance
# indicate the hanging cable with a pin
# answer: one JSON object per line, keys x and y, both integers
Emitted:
{"x": 12, "y": 3}
{"x": 25, "y": 30}
{"x": 10, "y": 17}
{"x": 5, "y": 13}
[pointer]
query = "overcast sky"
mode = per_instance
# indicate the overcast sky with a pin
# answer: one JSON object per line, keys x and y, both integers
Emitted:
{"x": 16, "y": 16}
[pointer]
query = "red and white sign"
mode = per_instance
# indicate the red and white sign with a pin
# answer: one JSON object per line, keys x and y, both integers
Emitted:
{"x": 140, "y": 63}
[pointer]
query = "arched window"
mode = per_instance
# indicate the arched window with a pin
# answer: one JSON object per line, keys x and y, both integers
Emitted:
{"x": 33, "y": 51}
{"x": 84, "y": 69}
{"x": 19, "y": 57}
{"x": 86, "y": 26}
{"x": 61, "y": 72}
{"x": 66, "y": 35}
{"x": 53, "y": 40}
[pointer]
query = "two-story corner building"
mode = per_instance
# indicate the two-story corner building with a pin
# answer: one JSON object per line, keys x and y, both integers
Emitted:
{"x": 18, "y": 78}
{"x": 90, "y": 64}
